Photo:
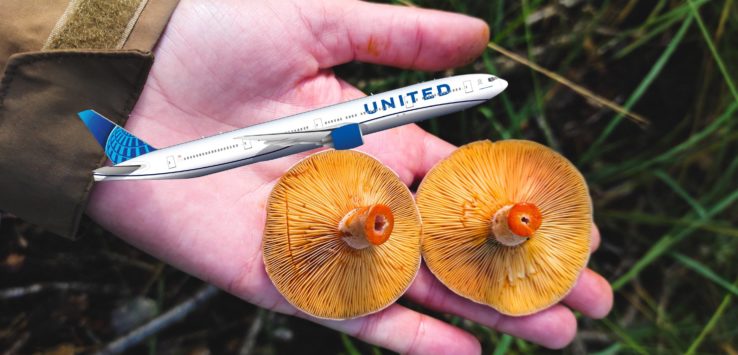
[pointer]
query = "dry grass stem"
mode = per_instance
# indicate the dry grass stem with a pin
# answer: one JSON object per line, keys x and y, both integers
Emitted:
{"x": 638, "y": 119}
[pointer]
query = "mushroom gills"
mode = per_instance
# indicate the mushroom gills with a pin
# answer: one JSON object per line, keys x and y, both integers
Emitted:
{"x": 506, "y": 224}
{"x": 327, "y": 246}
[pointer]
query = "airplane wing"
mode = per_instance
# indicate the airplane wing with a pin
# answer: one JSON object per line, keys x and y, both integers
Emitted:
{"x": 117, "y": 169}
{"x": 344, "y": 137}
{"x": 317, "y": 138}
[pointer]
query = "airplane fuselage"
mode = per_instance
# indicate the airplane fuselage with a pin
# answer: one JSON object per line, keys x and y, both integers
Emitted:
{"x": 373, "y": 114}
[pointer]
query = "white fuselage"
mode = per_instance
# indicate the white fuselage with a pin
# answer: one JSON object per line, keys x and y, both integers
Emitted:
{"x": 374, "y": 113}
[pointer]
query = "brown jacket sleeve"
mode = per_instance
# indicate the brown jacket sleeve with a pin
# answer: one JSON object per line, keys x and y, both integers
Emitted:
{"x": 62, "y": 57}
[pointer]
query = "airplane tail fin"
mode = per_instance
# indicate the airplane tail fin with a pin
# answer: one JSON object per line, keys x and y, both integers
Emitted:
{"x": 119, "y": 144}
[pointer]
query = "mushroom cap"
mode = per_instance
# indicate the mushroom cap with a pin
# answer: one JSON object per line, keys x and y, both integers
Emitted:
{"x": 304, "y": 253}
{"x": 459, "y": 197}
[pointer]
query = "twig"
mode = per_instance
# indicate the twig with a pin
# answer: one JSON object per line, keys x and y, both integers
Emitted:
{"x": 578, "y": 347}
{"x": 17, "y": 292}
{"x": 157, "y": 324}
{"x": 407, "y": 3}
{"x": 4, "y": 215}
{"x": 638, "y": 119}
{"x": 155, "y": 274}
{"x": 128, "y": 261}
{"x": 729, "y": 349}
{"x": 594, "y": 336}
{"x": 18, "y": 344}
{"x": 250, "y": 341}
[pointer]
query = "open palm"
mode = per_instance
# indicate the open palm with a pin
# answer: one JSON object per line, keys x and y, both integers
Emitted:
{"x": 224, "y": 65}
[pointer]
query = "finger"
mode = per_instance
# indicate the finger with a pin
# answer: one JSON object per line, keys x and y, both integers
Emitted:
{"x": 400, "y": 36}
{"x": 554, "y": 327}
{"x": 408, "y": 150}
{"x": 396, "y": 328}
{"x": 407, "y": 332}
{"x": 592, "y": 295}
{"x": 596, "y": 239}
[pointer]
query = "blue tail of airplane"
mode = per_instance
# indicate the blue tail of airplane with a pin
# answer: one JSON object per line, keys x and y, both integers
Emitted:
{"x": 119, "y": 144}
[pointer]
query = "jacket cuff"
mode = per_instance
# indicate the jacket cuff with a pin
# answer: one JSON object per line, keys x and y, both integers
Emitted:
{"x": 46, "y": 153}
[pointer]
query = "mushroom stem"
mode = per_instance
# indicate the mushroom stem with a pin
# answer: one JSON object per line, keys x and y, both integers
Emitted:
{"x": 366, "y": 226}
{"x": 516, "y": 223}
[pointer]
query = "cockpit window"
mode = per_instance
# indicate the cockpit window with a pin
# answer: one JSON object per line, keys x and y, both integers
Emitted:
{"x": 491, "y": 79}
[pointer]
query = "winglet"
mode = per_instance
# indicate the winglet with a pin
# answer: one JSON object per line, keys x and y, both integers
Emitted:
{"x": 119, "y": 144}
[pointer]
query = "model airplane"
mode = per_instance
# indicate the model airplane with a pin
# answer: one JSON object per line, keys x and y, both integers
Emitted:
{"x": 339, "y": 126}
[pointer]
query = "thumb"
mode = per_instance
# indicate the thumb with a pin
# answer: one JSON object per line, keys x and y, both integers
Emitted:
{"x": 405, "y": 37}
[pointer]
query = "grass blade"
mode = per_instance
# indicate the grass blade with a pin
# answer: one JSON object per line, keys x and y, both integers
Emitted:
{"x": 630, "y": 342}
{"x": 669, "y": 240}
{"x": 613, "y": 349}
{"x": 681, "y": 192}
{"x": 640, "y": 120}
{"x": 637, "y": 165}
{"x": 647, "y": 37}
{"x": 661, "y": 220}
{"x": 713, "y": 50}
{"x": 516, "y": 119}
{"x": 504, "y": 345}
{"x": 711, "y": 323}
{"x": 541, "y": 114}
{"x": 640, "y": 90}
{"x": 703, "y": 270}
{"x": 348, "y": 345}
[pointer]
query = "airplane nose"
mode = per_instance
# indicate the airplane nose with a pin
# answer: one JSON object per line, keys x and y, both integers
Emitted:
{"x": 501, "y": 83}
{"x": 498, "y": 85}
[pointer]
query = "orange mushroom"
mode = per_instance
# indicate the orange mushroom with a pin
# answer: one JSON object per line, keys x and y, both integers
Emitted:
{"x": 342, "y": 235}
{"x": 506, "y": 224}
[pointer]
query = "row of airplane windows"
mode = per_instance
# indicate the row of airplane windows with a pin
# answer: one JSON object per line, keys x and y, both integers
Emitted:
{"x": 326, "y": 122}
{"x": 343, "y": 118}
{"x": 211, "y": 151}
{"x": 298, "y": 129}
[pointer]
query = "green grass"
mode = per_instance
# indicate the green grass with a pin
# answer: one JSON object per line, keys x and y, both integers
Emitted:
{"x": 594, "y": 150}
{"x": 665, "y": 197}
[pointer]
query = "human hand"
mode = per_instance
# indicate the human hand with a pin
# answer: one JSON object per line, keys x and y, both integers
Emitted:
{"x": 223, "y": 65}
